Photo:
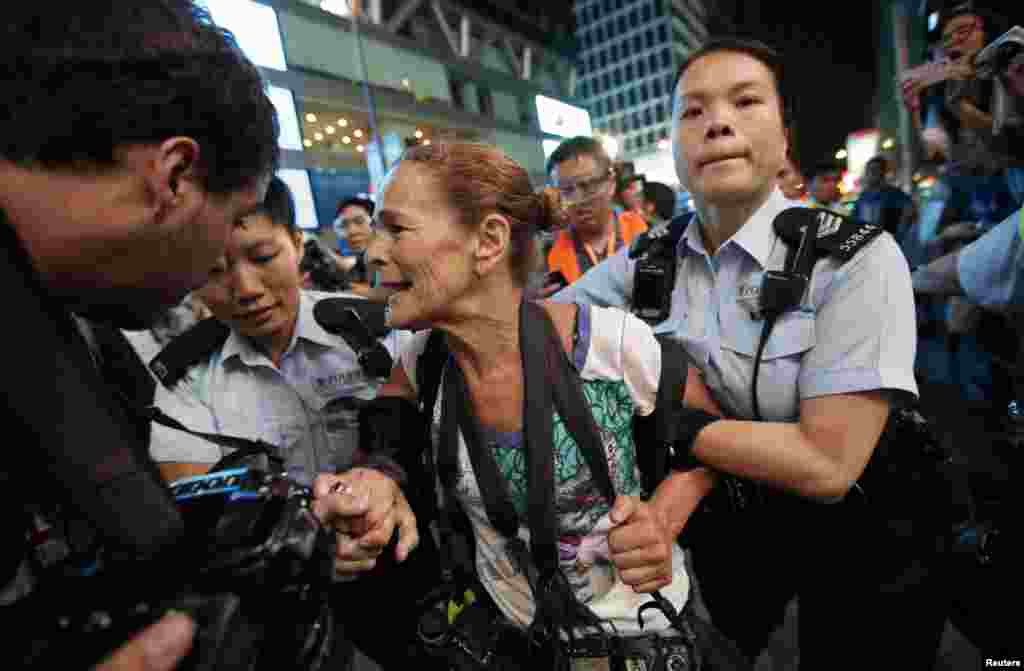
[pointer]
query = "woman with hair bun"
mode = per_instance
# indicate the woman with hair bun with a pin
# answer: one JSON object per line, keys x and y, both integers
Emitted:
{"x": 457, "y": 225}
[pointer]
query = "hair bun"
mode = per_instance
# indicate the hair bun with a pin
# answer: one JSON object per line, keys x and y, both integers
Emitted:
{"x": 551, "y": 216}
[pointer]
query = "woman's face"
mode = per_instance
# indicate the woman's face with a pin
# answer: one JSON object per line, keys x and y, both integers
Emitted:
{"x": 728, "y": 137}
{"x": 428, "y": 253}
{"x": 254, "y": 287}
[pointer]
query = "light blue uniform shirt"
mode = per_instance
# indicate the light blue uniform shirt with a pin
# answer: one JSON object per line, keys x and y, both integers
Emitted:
{"x": 307, "y": 407}
{"x": 854, "y": 330}
{"x": 990, "y": 268}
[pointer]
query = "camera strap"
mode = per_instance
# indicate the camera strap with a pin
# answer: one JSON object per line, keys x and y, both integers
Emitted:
{"x": 549, "y": 380}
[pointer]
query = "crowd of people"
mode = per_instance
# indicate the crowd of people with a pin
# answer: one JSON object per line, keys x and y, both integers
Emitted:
{"x": 549, "y": 475}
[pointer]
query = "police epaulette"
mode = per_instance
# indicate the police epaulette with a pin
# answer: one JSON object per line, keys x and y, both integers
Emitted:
{"x": 186, "y": 350}
{"x": 839, "y": 235}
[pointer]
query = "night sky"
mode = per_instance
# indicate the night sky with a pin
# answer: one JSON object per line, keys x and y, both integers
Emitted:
{"x": 830, "y": 53}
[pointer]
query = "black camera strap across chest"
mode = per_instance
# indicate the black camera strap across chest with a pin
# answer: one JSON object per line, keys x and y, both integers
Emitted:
{"x": 549, "y": 382}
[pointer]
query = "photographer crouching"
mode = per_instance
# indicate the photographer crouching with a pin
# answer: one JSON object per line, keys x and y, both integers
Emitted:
{"x": 135, "y": 136}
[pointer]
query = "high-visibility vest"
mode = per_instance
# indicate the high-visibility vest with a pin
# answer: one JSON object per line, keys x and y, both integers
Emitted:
{"x": 564, "y": 254}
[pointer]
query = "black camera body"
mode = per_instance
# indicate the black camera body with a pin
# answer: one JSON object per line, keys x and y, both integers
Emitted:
{"x": 252, "y": 571}
{"x": 323, "y": 271}
{"x": 654, "y": 276}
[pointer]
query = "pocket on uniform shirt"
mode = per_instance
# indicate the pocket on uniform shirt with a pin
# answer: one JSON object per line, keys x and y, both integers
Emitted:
{"x": 792, "y": 334}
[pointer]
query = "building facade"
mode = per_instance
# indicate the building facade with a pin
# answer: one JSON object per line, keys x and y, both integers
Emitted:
{"x": 357, "y": 81}
{"x": 629, "y": 52}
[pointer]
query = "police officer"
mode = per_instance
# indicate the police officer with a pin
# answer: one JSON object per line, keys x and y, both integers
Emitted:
{"x": 277, "y": 376}
{"x": 116, "y": 197}
{"x": 829, "y": 373}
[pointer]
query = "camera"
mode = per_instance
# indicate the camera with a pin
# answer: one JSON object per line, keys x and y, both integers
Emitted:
{"x": 323, "y": 271}
{"x": 252, "y": 571}
{"x": 654, "y": 276}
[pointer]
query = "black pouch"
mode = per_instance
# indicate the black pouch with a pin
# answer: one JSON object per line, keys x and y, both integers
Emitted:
{"x": 478, "y": 637}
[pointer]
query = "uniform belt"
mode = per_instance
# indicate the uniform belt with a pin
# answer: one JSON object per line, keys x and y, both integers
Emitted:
{"x": 649, "y": 648}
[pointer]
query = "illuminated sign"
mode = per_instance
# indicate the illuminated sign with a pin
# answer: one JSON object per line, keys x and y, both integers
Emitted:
{"x": 562, "y": 119}
{"x": 255, "y": 28}
{"x": 302, "y": 191}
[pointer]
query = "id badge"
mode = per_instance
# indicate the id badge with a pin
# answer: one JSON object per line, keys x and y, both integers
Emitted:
{"x": 590, "y": 664}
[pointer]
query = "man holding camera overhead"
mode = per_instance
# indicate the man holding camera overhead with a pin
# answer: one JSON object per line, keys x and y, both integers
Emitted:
{"x": 135, "y": 136}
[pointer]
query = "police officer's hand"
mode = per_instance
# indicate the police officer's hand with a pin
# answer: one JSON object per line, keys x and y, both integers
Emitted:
{"x": 364, "y": 507}
{"x": 158, "y": 647}
{"x": 697, "y": 394}
{"x": 640, "y": 544}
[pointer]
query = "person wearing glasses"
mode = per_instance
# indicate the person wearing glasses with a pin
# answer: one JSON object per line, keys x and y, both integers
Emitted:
{"x": 582, "y": 173}
{"x": 353, "y": 226}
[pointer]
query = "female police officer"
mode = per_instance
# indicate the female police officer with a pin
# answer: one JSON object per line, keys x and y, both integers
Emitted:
{"x": 828, "y": 374}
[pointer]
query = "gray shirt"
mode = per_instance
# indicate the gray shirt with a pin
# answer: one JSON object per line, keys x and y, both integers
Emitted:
{"x": 307, "y": 406}
{"x": 854, "y": 330}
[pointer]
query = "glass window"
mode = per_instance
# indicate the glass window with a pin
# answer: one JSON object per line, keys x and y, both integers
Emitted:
{"x": 636, "y": 119}
{"x": 585, "y": 90}
{"x": 666, "y": 58}
{"x": 599, "y": 34}
{"x": 622, "y": 24}
{"x": 650, "y": 137}
{"x": 607, "y": 81}
{"x": 643, "y": 92}
{"x": 629, "y": 72}
{"x": 617, "y": 76}
{"x": 653, "y": 61}
{"x": 614, "y": 52}
{"x": 641, "y": 68}
{"x": 593, "y": 63}
{"x": 638, "y": 42}
{"x": 639, "y": 141}
{"x": 302, "y": 193}
{"x": 632, "y": 97}
{"x": 290, "y": 136}
{"x": 607, "y": 6}
{"x": 662, "y": 34}
{"x": 634, "y": 18}
{"x": 625, "y": 123}
{"x": 625, "y": 49}
{"x": 649, "y": 38}
{"x": 598, "y": 108}
{"x": 628, "y": 144}
{"x": 255, "y": 28}
{"x": 613, "y": 126}
{"x": 659, "y": 113}
{"x": 656, "y": 87}
{"x": 602, "y": 57}
{"x": 645, "y": 13}
{"x": 648, "y": 120}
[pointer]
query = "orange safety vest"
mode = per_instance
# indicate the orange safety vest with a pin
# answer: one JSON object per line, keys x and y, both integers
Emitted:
{"x": 563, "y": 254}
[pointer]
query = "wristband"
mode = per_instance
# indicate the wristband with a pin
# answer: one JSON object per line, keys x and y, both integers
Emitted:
{"x": 691, "y": 422}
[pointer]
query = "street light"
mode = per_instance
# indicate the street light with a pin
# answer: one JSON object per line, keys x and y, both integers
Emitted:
{"x": 841, "y": 155}
{"x": 888, "y": 143}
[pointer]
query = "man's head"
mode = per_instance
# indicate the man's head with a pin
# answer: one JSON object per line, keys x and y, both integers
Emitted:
{"x": 353, "y": 222}
{"x": 965, "y": 29}
{"x": 730, "y": 134}
{"x": 874, "y": 173}
{"x": 825, "y": 183}
{"x": 631, "y": 193}
{"x": 582, "y": 172}
{"x": 134, "y": 135}
{"x": 659, "y": 200}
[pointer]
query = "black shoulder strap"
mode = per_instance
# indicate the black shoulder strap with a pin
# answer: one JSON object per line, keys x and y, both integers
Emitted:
{"x": 655, "y": 434}
{"x": 429, "y": 367}
{"x": 191, "y": 347}
{"x": 837, "y": 235}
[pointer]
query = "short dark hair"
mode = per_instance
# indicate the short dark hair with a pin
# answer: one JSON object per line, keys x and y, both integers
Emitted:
{"x": 759, "y": 51}
{"x": 575, "y": 147}
{"x": 663, "y": 197}
{"x": 84, "y": 79}
{"x": 279, "y": 206}
{"x": 364, "y": 203}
